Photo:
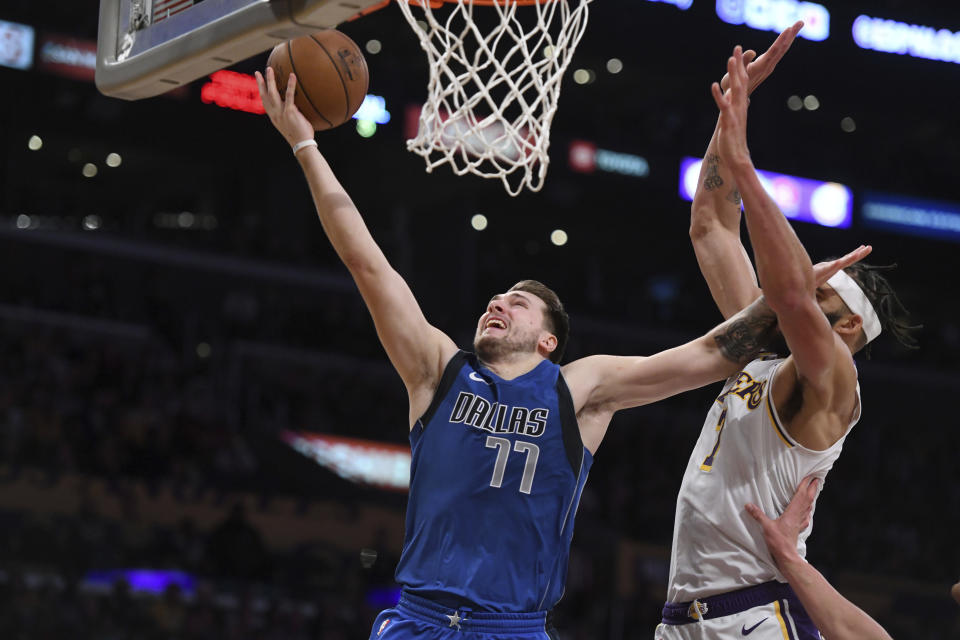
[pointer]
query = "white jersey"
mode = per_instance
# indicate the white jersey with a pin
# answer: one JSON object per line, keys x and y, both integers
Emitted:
{"x": 743, "y": 455}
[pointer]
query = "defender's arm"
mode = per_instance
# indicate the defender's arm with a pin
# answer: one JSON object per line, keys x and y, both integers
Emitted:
{"x": 715, "y": 212}
{"x": 603, "y": 384}
{"x": 785, "y": 270}
{"x": 835, "y": 616}
{"x": 417, "y": 350}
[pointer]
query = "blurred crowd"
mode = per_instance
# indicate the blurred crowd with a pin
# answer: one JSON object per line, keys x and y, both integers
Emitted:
{"x": 47, "y": 590}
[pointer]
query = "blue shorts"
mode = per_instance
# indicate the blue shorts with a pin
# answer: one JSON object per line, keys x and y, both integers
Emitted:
{"x": 416, "y": 618}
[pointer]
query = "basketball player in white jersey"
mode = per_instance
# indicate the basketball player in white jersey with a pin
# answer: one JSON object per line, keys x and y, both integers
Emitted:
{"x": 780, "y": 419}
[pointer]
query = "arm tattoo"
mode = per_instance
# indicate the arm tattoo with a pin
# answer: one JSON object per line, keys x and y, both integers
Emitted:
{"x": 712, "y": 179}
{"x": 747, "y": 334}
{"x": 734, "y": 197}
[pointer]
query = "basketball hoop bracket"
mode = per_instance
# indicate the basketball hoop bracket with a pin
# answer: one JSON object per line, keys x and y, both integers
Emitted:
{"x": 147, "y": 47}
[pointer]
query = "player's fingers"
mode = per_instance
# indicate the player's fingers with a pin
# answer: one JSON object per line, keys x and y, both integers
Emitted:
{"x": 268, "y": 93}
{"x": 261, "y": 88}
{"x": 263, "y": 85}
{"x": 737, "y": 72}
{"x": 823, "y": 271}
{"x": 271, "y": 81}
{"x": 718, "y": 96}
{"x": 860, "y": 253}
{"x": 802, "y": 501}
{"x": 853, "y": 257}
{"x": 731, "y": 69}
{"x": 291, "y": 90}
{"x": 780, "y": 46}
{"x": 810, "y": 494}
{"x": 748, "y": 56}
{"x": 742, "y": 70}
{"x": 785, "y": 39}
{"x": 744, "y": 82}
{"x": 756, "y": 512}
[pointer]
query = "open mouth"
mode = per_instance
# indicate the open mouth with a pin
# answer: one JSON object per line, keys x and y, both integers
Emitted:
{"x": 495, "y": 323}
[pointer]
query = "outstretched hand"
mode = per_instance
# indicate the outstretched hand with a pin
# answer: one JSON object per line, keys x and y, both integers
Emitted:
{"x": 823, "y": 271}
{"x": 733, "y": 110}
{"x": 283, "y": 113}
{"x": 781, "y": 534}
{"x": 759, "y": 69}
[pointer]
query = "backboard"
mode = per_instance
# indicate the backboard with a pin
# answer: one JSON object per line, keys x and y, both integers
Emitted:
{"x": 147, "y": 47}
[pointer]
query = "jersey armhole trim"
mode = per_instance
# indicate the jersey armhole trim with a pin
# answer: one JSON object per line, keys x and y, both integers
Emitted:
{"x": 785, "y": 435}
{"x": 772, "y": 412}
{"x": 446, "y": 381}
{"x": 572, "y": 441}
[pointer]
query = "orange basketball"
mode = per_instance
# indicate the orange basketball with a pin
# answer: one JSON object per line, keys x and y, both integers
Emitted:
{"x": 331, "y": 72}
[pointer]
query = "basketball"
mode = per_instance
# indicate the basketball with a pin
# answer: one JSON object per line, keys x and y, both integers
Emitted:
{"x": 331, "y": 72}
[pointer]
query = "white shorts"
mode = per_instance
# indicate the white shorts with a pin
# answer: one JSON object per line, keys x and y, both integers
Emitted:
{"x": 782, "y": 618}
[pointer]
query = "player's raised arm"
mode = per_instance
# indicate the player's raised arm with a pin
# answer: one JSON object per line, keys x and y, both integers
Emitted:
{"x": 785, "y": 271}
{"x": 715, "y": 212}
{"x": 835, "y": 616}
{"x": 417, "y": 350}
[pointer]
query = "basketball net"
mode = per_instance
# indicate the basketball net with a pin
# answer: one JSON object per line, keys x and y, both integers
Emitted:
{"x": 493, "y": 88}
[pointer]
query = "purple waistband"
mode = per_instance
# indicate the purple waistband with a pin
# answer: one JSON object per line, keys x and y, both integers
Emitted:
{"x": 725, "y": 604}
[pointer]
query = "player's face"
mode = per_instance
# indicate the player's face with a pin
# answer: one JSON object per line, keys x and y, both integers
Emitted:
{"x": 830, "y": 303}
{"x": 833, "y": 308}
{"x": 512, "y": 323}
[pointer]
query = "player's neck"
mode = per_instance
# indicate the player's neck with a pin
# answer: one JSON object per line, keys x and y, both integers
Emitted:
{"x": 514, "y": 365}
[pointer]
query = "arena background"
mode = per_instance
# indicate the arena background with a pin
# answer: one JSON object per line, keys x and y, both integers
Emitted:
{"x": 165, "y": 321}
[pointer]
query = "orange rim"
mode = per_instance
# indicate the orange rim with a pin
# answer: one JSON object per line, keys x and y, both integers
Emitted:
{"x": 369, "y": 10}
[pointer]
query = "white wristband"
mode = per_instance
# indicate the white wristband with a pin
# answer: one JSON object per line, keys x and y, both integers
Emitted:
{"x": 303, "y": 144}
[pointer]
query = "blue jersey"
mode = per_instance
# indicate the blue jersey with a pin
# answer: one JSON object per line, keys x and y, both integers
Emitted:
{"x": 497, "y": 471}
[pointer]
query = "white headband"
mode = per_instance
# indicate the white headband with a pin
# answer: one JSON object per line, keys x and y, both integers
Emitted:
{"x": 851, "y": 293}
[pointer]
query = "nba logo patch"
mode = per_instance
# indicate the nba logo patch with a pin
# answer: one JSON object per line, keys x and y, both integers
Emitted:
{"x": 697, "y": 610}
{"x": 383, "y": 626}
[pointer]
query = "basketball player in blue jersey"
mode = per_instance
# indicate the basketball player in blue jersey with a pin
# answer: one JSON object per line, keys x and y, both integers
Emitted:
{"x": 780, "y": 419}
{"x": 502, "y": 438}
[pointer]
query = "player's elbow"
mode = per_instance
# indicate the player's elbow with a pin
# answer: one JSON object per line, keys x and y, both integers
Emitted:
{"x": 356, "y": 261}
{"x": 787, "y": 298}
{"x": 362, "y": 265}
{"x": 702, "y": 222}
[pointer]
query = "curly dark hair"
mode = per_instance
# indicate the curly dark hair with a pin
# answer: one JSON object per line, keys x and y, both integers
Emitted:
{"x": 894, "y": 317}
